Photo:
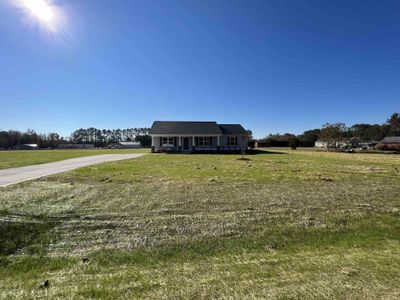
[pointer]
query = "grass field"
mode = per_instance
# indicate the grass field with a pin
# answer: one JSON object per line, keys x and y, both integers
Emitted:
{"x": 13, "y": 159}
{"x": 282, "y": 224}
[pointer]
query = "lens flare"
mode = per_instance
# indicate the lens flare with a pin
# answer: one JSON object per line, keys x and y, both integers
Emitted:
{"x": 41, "y": 9}
{"x": 45, "y": 16}
{"x": 44, "y": 13}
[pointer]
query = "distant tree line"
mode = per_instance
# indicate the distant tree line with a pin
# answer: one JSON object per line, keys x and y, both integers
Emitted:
{"x": 99, "y": 137}
{"x": 336, "y": 132}
{"x": 104, "y": 137}
{"x": 12, "y": 138}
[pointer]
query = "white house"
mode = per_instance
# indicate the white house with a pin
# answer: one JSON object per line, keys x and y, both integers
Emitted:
{"x": 188, "y": 137}
{"x": 321, "y": 144}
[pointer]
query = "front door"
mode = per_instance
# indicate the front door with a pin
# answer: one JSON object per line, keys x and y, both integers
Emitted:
{"x": 185, "y": 143}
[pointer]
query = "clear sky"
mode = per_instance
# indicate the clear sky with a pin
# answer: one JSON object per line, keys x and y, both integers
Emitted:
{"x": 273, "y": 66}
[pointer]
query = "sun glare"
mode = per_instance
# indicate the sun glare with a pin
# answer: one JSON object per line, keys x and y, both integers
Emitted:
{"x": 45, "y": 13}
{"x": 50, "y": 19}
{"x": 41, "y": 9}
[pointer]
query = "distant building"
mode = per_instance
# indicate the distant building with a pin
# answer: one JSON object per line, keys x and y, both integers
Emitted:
{"x": 259, "y": 144}
{"x": 125, "y": 145}
{"x": 27, "y": 147}
{"x": 129, "y": 145}
{"x": 351, "y": 143}
{"x": 321, "y": 144}
{"x": 354, "y": 142}
{"x": 367, "y": 145}
{"x": 391, "y": 142}
{"x": 76, "y": 146}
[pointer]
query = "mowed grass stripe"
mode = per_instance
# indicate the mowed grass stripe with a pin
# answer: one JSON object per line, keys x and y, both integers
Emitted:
{"x": 282, "y": 224}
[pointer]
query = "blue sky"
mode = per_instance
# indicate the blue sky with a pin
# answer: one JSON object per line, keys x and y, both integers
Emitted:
{"x": 274, "y": 66}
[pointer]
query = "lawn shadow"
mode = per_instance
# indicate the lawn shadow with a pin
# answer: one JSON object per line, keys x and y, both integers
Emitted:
{"x": 248, "y": 152}
{"x": 30, "y": 233}
{"x": 260, "y": 151}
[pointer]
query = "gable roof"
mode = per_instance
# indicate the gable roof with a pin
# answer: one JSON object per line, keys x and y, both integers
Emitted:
{"x": 232, "y": 129}
{"x": 391, "y": 140}
{"x": 183, "y": 127}
{"x": 195, "y": 127}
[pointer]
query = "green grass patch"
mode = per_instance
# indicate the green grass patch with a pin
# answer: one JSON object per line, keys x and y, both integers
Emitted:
{"x": 20, "y": 158}
{"x": 284, "y": 260}
{"x": 275, "y": 166}
{"x": 282, "y": 224}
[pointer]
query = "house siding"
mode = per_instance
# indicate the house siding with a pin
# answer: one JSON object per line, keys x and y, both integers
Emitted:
{"x": 194, "y": 130}
{"x": 224, "y": 144}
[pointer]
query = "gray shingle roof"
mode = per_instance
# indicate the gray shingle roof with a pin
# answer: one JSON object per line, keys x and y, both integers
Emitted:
{"x": 232, "y": 129}
{"x": 391, "y": 140}
{"x": 184, "y": 127}
{"x": 180, "y": 127}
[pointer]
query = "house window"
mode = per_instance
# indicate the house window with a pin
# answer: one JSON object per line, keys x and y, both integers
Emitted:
{"x": 167, "y": 141}
{"x": 203, "y": 141}
{"x": 232, "y": 141}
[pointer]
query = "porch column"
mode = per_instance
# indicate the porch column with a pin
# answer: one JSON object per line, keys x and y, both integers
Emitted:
{"x": 152, "y": 140}
{"x": 193, "y": 141}
{"x": 180, "y": 141}
{"x": 218, "y": 143}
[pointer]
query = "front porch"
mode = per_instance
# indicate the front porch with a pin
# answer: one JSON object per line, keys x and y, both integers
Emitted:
{"x": 194, "y": 143}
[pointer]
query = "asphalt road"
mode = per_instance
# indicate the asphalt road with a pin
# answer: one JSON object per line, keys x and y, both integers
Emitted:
{"x": 17, "y": 175}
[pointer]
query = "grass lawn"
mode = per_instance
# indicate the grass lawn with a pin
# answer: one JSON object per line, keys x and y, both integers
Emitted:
{"x": 13, "y": 159}
{"x": 282, "y": 224}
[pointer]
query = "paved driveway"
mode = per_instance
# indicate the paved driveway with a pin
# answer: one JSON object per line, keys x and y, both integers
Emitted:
{"x": 17, "y": 175}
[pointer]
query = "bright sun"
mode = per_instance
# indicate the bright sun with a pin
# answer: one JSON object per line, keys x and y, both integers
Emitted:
{"x": 46, "y": 16}
{"x": 41, "y": 9}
